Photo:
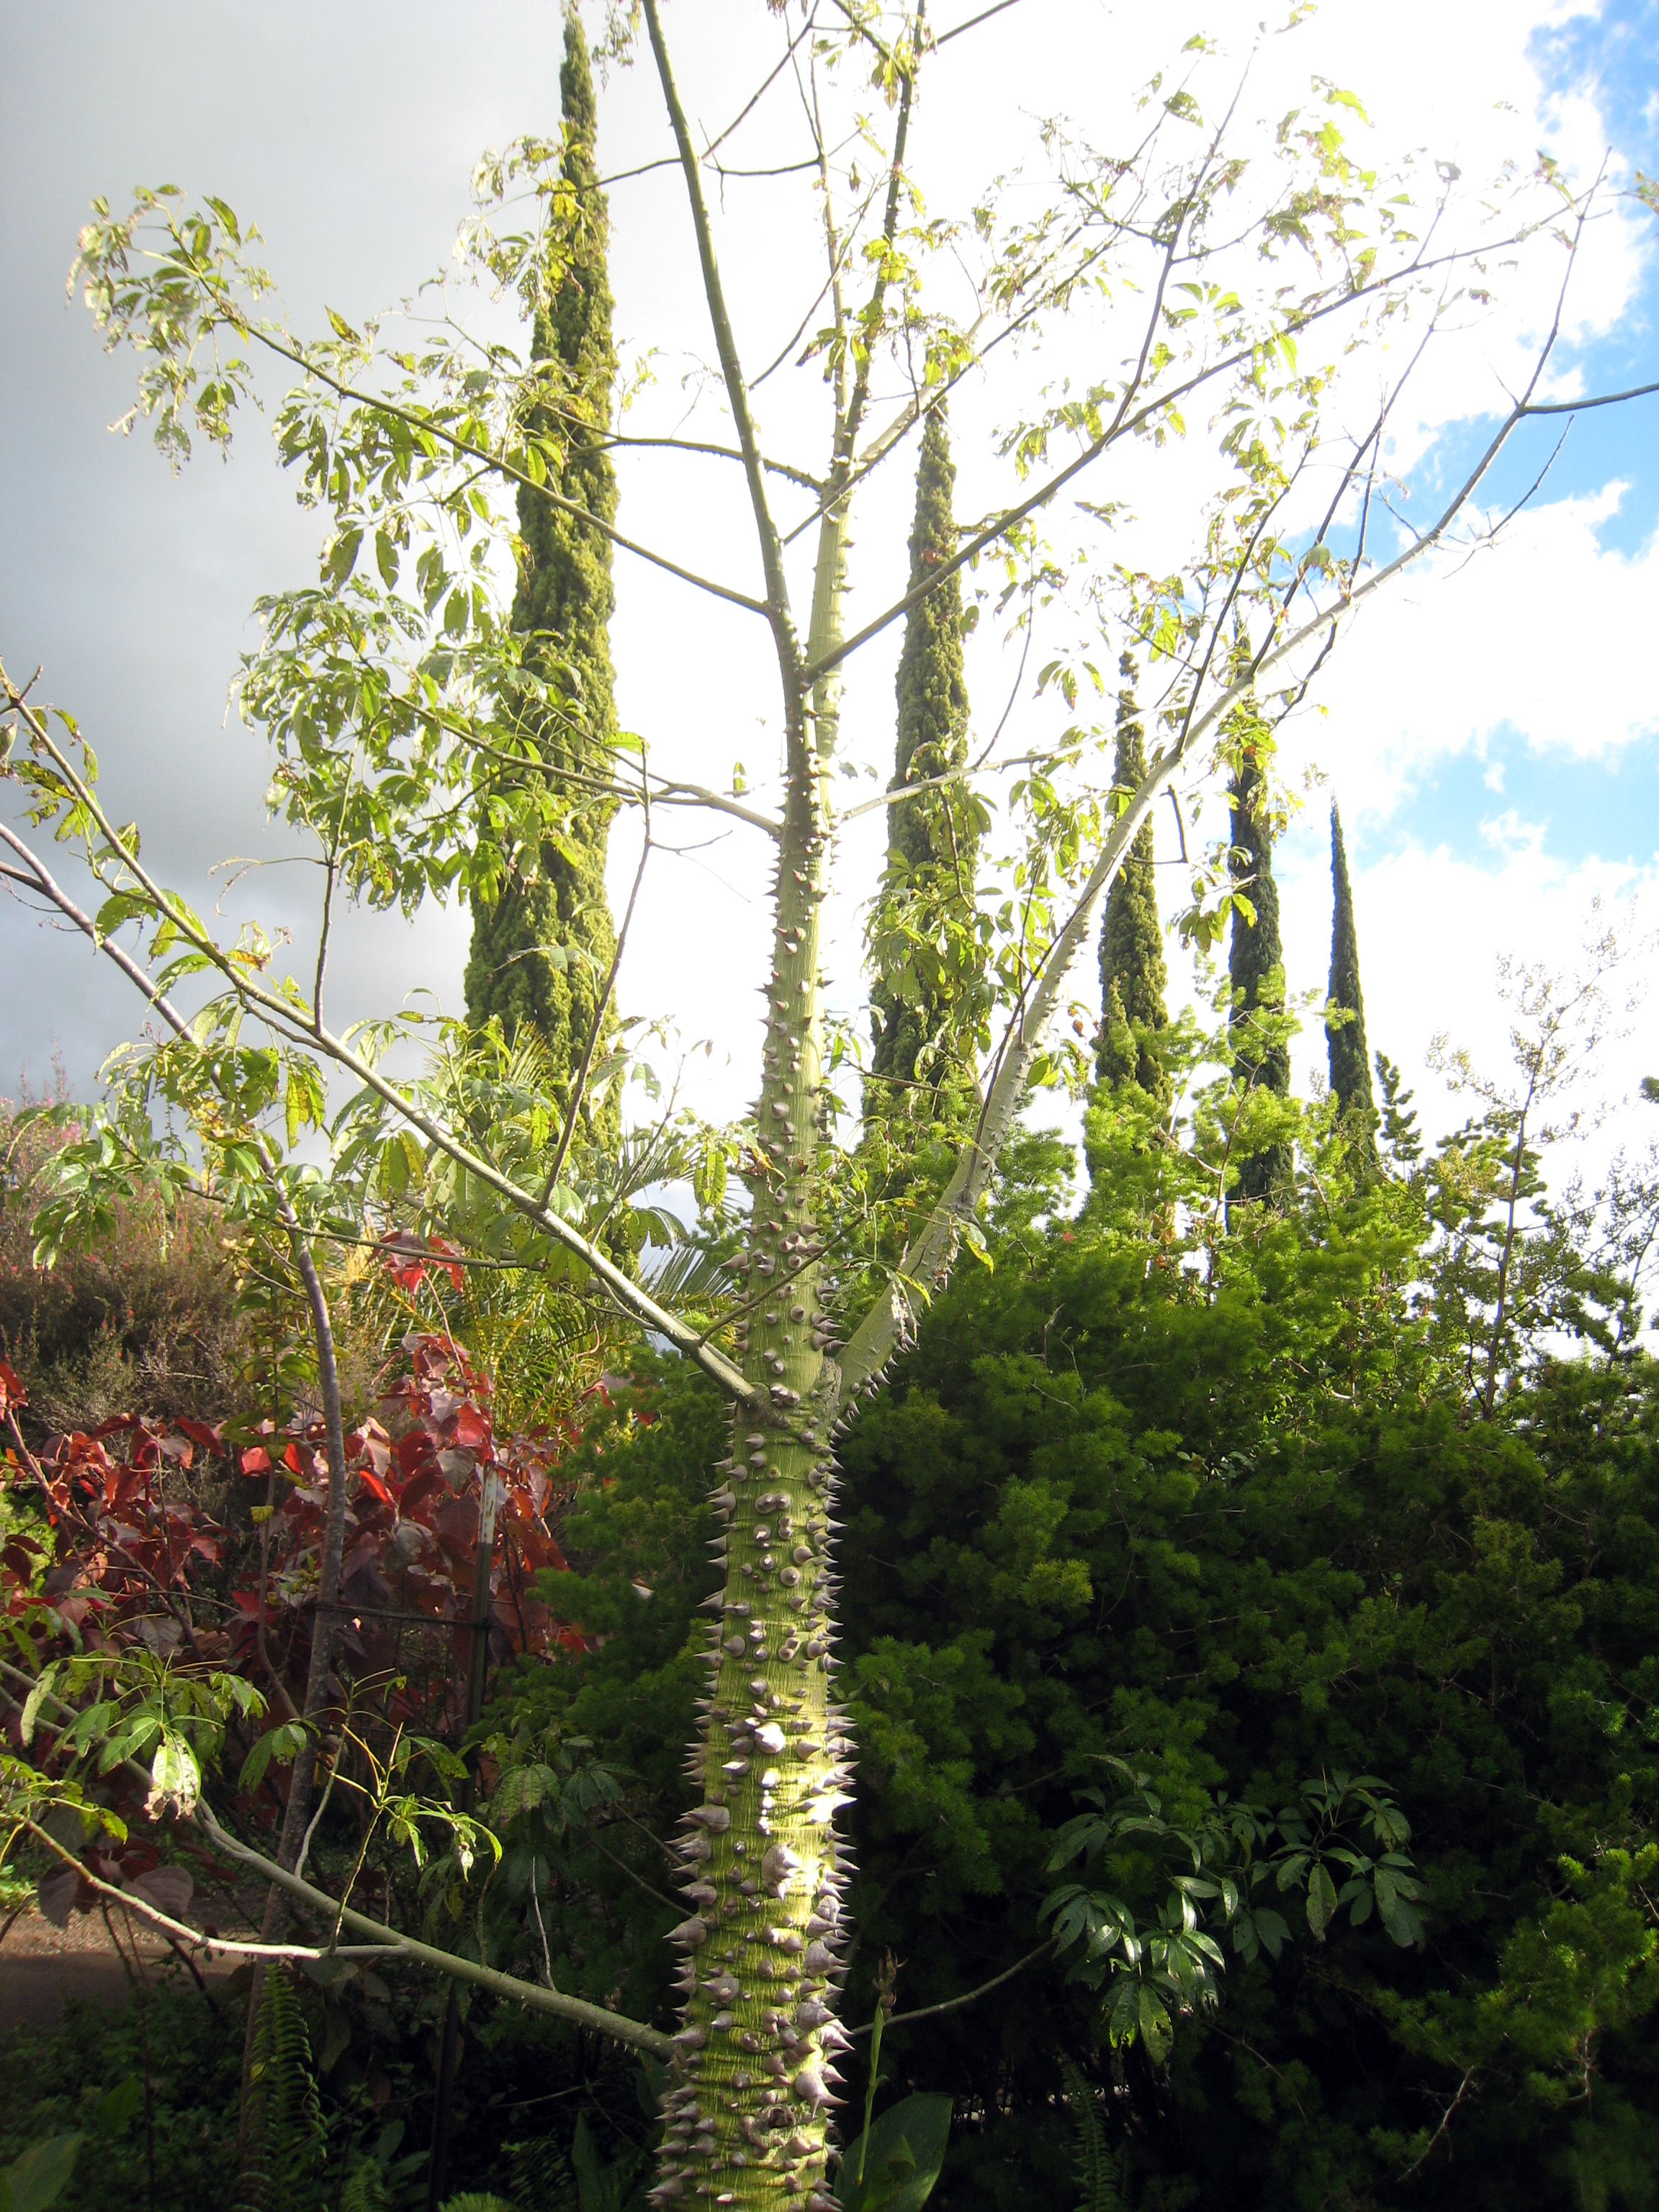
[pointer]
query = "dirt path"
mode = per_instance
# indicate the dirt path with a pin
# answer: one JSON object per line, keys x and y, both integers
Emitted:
{"x": 40, "y": 1966}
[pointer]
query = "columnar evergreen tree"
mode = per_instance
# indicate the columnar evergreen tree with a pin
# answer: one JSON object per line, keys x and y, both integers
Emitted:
{"x": 542, "y": 948}
{"x": 1255, "y": 965}
{"x": 924, "y": 1013}
{"x": 1132, "y": 976}
{"x": 1345, "y": 1041}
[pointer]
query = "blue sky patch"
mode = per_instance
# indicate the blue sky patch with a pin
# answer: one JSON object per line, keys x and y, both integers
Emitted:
{"x": 1482, "y": 806}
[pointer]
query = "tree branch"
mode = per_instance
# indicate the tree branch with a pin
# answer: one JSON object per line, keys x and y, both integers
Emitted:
{"x": 386, "y": 1939}
{"x": 288, "y": 1023}
{"x": 497, "y": 462}
{"x": 955, "y": 2005}
{"x": 777, "y": 586}
{"x": 1124, "y": 424}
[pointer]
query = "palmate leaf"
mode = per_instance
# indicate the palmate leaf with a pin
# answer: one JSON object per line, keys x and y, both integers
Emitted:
{"x": 521, "y": 1790}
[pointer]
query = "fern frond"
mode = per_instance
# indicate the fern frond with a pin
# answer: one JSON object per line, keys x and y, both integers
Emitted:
{"x": 541, "y": 2175}
{"x": 285, "y": 2168}
{"x": 1101, "y": 2173}
{"x": 365, "y": 2188}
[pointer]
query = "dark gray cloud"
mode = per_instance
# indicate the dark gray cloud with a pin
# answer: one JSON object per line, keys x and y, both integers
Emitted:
{"x": 348, "y": 134}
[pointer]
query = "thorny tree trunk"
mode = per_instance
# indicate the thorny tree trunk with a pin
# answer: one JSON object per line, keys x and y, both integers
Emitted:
{"x": 747, "y": 2103}
{"x": 746, "y": 2106}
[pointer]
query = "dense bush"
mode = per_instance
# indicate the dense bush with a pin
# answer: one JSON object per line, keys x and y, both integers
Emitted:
{"x": 1239, "y": 1534}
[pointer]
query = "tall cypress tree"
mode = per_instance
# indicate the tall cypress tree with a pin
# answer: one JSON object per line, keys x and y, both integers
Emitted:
{"x": 926, "y": 1012}
{"x": 1256, "y": 968}
{"x": 543, "y": 948}
{"x": 1133, "y": 976}
{"x": 1345, "y": 1041}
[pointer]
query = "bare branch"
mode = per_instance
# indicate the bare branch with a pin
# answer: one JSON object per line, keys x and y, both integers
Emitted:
{"x": 153, "y": 1916}
{"x": 1123, "y": 424}
{"x": 955, "y": 2005}
{"x": 777, "y": 587}
{"x": 802, "y": 476}
{"x": 973, "y": 21}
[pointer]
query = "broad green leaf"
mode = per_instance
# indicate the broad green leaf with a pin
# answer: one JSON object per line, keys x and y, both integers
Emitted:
{"x": 117, "y": 2106}
{"x": 901, "y": 2159}
{"x": 1321, "y": 1901}
{"x": 40, "y": 2177}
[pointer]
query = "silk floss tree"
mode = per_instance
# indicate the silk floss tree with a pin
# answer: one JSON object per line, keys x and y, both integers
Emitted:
{"x": 397, "y": 691}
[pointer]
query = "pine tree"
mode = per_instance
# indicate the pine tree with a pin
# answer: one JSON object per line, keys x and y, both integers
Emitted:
{"x": 1132, "y": 976}
{"x": 925, "y": 1010}
{"x": 543, "y": 949}
{"x": 1256, "y": 968}
{"x": 1345, "y": 1041}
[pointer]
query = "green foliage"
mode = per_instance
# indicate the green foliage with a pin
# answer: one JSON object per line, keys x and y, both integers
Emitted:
{"x": 1256, "y": 957}
{"x": 588, "y": 1753}
{"x": 544, "y": 943}
{"x": 365, "y": 2188}
{"x": 1133, "y": 976}
{"x": 1344, "y": 1017}
{"x": 1315, "y": 1846}
{"x": 1100, "y": 2172}
{"x": 39, "y": 2176}
{"x": 928, "y": 999}
{"x": 1237, "y": 1531}
{"x": 894, "y": 2163}
{"x": 86, "y": 2079}
{"x": 284, "y": 2172}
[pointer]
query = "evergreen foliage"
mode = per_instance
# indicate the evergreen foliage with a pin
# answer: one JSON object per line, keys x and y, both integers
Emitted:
{"x": 1345, "y": 1041}
{"x": 1133, "y": 976}
{"x": 542, "y": 947}
{"x": 1255, "y": 962}
{"x": 1229, "y": 1522}
{"x": 927, "y": 1010}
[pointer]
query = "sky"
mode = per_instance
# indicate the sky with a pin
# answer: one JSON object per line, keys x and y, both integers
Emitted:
{"x": 1491, "y": 730}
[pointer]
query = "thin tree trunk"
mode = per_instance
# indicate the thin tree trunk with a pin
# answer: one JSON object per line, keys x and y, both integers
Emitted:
{"x": 323, "y": 1634}
{"x": 477, "y": 1671}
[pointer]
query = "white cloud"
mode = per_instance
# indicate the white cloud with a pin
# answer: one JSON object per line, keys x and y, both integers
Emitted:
{"x": 1538, "y": 634}
{"x": 1433, "y": 924}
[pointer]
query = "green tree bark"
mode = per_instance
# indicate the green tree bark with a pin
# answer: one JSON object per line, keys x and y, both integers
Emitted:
{"x": 926, "y": 1003}
{"x": 542, "y": 948}
{"x": 1132, "y": 976}
{"x": 1255, "y": 966}
{"x": 1345, "y": 1041}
